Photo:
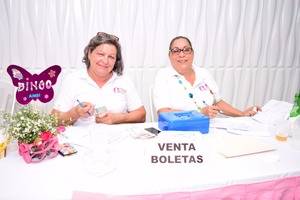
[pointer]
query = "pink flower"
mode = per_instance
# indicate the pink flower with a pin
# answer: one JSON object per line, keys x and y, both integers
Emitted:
{"x": 60, "y": 129}
{"x": 45, "y": 135}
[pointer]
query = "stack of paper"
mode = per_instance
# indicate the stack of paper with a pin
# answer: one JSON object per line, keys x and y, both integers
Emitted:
{"x": 238, "y": 145}
{"x": 261, "y": 124}
{"x": 273, "y": 111}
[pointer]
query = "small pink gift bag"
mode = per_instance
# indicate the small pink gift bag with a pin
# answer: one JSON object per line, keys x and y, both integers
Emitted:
{"x": 36, "y": 152}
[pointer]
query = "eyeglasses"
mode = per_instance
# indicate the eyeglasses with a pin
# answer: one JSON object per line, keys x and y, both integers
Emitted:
{"x": 185, "y": 50}
{"x": 103, "y": 34}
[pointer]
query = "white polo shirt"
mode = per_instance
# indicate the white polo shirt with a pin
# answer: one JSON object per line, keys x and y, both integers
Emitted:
{"x": 118, "y": 95}
{"x": 172, "y": 90}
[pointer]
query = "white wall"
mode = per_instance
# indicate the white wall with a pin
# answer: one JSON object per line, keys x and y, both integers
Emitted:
{"x": 251, "y": 47}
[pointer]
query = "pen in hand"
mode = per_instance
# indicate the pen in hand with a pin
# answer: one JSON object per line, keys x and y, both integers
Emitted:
{"x": 82, "y": 106}
{"x": 220, "y": 111}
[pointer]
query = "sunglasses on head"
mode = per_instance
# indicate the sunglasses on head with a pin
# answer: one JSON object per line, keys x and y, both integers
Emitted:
{"x": 110, "y": 36}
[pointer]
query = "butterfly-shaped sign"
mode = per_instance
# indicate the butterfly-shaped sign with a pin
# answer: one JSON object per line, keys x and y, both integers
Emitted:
{"x": 33, "y": 87}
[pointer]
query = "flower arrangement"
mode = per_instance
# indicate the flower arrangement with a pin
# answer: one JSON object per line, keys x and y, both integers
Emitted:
{"x": 29, "y": 125}
{"x": 35, "y": 132}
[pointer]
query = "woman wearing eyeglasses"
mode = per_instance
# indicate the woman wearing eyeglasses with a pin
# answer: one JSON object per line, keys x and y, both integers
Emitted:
{"x": 100, "y": 92}
{"x": 184, "y": 86}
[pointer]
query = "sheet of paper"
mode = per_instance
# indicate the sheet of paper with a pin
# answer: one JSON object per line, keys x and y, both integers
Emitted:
{"x": 241, "y": 126}
{"x": 237, "y": 145}
{"x": 273, "y": 111}
{"x": 260, "y": 133}
{"x": 238, "y": 123}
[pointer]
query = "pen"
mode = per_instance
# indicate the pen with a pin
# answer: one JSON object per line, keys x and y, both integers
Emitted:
{"x": 82, "y": 106}
{"x": 220, "y": 111}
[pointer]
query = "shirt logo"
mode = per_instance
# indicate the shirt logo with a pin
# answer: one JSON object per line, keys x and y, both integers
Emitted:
{"x": 33, "y": 87}
{"x": 203, "y": 87}
{"x": 119, "y": 90}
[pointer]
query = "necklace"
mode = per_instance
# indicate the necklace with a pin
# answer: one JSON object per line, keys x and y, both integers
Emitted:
{"x": 190, "y": 95}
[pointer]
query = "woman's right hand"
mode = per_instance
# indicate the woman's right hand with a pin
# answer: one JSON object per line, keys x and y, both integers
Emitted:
{"x": 210, "y": 111}
{"x": 84, "y": 110}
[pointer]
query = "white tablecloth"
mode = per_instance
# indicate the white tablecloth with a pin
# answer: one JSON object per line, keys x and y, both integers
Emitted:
{"x": 111, "y": 161}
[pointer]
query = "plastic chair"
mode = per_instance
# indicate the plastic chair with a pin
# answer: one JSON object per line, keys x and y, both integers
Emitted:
{"x": 153, "y": 113}
{"x": 8, "y": 96}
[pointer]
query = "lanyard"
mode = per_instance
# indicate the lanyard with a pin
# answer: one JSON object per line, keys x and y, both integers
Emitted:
{"x": 190, "y": 94}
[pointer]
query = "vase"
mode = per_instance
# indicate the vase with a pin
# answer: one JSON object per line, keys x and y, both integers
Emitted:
{"x": 33, "y": 153}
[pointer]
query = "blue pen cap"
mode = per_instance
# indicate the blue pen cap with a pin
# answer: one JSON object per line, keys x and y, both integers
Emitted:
{"x": 183, "y": 121}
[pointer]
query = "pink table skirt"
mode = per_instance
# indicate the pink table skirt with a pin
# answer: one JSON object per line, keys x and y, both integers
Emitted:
{"x": 283, "y": 189}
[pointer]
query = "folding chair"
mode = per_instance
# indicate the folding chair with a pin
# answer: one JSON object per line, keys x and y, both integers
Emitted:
{"x": 8, "y": 96}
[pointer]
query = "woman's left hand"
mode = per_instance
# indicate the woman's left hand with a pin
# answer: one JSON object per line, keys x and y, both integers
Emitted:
{"x": 251, "y": 111}
{"x": 108, "y": 118}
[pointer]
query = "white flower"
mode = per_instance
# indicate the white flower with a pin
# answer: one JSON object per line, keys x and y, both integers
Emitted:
{"x": 27, "y": 124}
